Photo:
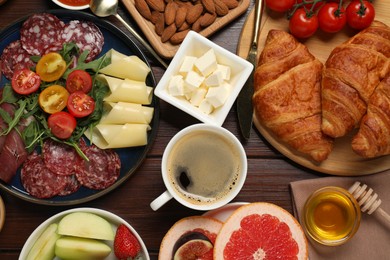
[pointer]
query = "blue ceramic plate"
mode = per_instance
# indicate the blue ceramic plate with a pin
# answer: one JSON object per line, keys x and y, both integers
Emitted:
{"x": 131, "y": 158}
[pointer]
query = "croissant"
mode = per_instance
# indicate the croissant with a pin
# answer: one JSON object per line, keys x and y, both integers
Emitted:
{"x": 351, "y": 74}
{"x": 373, "y": 137}
{"x": 287, "y": 95}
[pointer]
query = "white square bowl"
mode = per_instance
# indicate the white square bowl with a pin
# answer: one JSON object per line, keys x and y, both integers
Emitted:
{"x": 196, "y": 45}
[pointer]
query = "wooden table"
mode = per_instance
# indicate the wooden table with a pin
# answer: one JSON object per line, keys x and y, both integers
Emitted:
{"x": 269, "y": 173}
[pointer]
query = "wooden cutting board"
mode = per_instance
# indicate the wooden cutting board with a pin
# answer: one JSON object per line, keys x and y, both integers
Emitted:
{"x": 167, "y": 50}
{"x": 342, "y": 161}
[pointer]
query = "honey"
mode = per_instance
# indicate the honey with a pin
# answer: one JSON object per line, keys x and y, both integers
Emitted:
{"x": 331, "y": 216}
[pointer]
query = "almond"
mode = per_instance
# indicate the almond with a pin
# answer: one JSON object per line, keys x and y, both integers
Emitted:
{"x": 230, "y": 3}
{"x": 178, "y": 37}
{"x": 168, "y": 32}
{"x": 207, "y": 19}
{"x": 183, "y": 27}
{"x": 221, "y": 8}
{"x": 170, "y": 12}
{"x": 143, "y": 8}
{"x": 154, "y": 17}
{"x": 196, "y": 26}
{"x": 158, "y": 5}
{"x": 194, "y": 13}
{"x": 160, "y": 24}
{"x": 208, "y": 5}
{"x": 180, "y": 17}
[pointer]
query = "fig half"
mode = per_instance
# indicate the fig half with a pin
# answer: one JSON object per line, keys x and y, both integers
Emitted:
{"x": 195, "y": 249}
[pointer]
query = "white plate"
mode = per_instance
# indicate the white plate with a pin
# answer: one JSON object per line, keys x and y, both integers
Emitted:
{"x": 224, "y": 212}
{"x": 112, "y": 218}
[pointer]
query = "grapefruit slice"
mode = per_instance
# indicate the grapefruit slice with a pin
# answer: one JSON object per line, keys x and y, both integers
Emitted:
{"x": 186, "y": 235}
{"x": 261, "y": 231}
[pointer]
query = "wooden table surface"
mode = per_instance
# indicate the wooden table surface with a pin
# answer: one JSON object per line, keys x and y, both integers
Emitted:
{"x": 269, "y": 172}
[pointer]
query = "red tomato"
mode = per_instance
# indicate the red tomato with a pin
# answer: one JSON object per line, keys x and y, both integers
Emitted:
{"x": 80, "y": 104}
{"x": 61, "y": 124}
{"x": 25, "y": 81}
{"x": 280, "y": 5}
{"x": 303, "y": 25}
{"x": 332, "y": 19}
{"x": 79, "y": 80}
{"x": 360, "y": 16}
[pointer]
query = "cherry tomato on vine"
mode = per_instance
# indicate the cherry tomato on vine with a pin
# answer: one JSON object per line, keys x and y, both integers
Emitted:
{"x": 302, "y": 24}
{"x": 331, "y": 19}
{"x": 79, "y": 80}
{"x": 25, "y": 81}
{"x": 360, "y": 16}
{"x": 280, "y": 5}
{"x": 61, "y": 124}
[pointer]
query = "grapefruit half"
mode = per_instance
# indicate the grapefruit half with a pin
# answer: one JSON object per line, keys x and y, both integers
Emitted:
{"x": 192, "y": 229}
{"x": 261, "y": 231}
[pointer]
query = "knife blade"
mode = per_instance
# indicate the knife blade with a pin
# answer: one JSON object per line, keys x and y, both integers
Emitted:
{"x": 244, "y": 99}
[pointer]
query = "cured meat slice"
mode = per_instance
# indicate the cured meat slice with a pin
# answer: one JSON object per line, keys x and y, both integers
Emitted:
{"x": 14, "y": 57}
{"x": 86, "y": 35}
{"x": 59, "y": 158}
{"x": 71, "y": 186}
{"x": 38, "y": 180}
{"x": 12, "y": 156}
{"x": 39, "y": 32}
{"x": 102, "y": 169}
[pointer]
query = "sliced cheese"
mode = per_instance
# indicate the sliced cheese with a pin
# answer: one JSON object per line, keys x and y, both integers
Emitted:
{"x": 124, "y": 113}
{"x": 106, "y": 136}
{"x": 130, "y": 67}
{"x": 127, "y": 90}
{"x": 116, "y": 55}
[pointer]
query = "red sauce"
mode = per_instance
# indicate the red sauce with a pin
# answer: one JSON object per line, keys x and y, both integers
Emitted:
{"x": 75, "y": 2}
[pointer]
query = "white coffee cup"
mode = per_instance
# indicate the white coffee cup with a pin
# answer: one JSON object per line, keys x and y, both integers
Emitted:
{"x": 203, "y": 167}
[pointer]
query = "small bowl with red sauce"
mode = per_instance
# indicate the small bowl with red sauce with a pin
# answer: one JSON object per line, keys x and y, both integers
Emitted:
{"x": 73, "y": 4}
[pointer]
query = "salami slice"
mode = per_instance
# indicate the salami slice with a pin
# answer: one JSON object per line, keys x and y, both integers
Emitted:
{"x": 72, "y": 185}
{"x": 59, "y": 158}
{"x": 102, "y": 169}
{"x": 14, "y": 57}
{"x": 86, "y": 35}
{"x": 38, "y": 180}
{"x": 40, "y": 32}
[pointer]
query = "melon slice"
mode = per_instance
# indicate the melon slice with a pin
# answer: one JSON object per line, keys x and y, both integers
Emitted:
{"x": 261, "y": 231}
{"x": 190, "y": 228}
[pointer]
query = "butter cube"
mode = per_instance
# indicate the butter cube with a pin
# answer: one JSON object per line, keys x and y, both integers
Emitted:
{"x": 176, "y": 86}
{"x": 198, "y": 96}
{"x": 206, "y": 107}
{"x": 206, "y": 63}
{"x": 187, "y": 65}
{"x": 217, "y": 96}
{"x": 214, "y": 79}
{"x": 225, "y": 71}
{"x": 193, "y": 80}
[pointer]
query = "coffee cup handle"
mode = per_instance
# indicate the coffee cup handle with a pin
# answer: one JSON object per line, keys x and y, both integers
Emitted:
{"x": 161, "y": 200}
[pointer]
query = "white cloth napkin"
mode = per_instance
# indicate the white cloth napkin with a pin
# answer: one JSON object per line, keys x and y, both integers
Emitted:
{"x": 372, "y": 240}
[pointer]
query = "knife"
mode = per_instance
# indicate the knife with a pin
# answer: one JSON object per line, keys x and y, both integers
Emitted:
{"x": 244, "y": 99}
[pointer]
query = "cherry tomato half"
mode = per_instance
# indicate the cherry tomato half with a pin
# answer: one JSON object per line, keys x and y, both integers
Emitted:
{"x": 360, "y": 17}
{"x": 51, "y": 67}
{"x": 80, "y": 104}
{"x": 53, "y": 99}
{"x": 79, "y": 80}
{"x": 25, "y": 81}
{"x": 280, "y": 5}
{"x": 303, "y": 25}
{"x": 61, "y": 124}
{"x": 331, "y": 19}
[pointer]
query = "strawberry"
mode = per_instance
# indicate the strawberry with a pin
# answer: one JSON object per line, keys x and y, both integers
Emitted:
{"x": 126, "y": 244}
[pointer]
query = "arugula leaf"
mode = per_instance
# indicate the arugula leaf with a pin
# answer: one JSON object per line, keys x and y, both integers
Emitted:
{"x": 8, "y": 96}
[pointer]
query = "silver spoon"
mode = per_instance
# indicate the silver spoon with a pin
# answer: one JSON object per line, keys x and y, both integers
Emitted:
{"x": 104, "y": 8}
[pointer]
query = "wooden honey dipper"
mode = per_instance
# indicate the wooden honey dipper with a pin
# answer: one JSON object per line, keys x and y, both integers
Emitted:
{"x": 367, "y": 199}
